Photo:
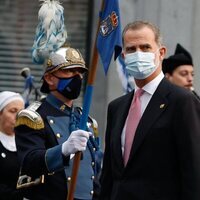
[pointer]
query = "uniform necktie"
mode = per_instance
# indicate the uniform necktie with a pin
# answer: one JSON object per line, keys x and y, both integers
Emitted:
{"x": 133, "y": 119}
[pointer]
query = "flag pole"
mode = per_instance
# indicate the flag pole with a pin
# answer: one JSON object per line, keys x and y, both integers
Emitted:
{"x": 85, "y": 112}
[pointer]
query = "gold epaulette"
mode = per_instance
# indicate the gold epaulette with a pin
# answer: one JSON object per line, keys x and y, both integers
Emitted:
{"x": 93, "y": 123}
{"x": 29, "y": 117}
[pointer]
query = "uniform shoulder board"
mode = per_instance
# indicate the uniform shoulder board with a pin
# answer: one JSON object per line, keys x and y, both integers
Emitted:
{"x": 29, "y": 117}
{"x": 92, "y": 121}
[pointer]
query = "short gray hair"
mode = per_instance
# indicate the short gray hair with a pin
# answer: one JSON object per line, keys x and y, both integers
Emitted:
{"x": 140, "y": 24}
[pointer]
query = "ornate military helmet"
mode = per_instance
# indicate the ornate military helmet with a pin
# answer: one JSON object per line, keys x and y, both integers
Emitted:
{"x": 65, "y": 58}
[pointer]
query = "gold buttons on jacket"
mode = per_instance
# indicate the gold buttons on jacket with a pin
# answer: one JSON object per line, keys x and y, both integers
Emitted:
{"x": 92, "y": 177}
{"x": 68, "y": 178}
{"x": 58, "y": 135}
{"x": 92, "y": 192}
{"x": 162, "y": 105}
{"x": 3, "y": 155}
{"x": 51, "y": 121}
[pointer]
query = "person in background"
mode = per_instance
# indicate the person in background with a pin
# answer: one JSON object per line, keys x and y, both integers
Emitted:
{"x": 152, "y": 141}
{"x": 48, "y": 133}
{"x": 179, "y": 69}
{"x": 10, "y": 104}
{"x": 29, "y": 87}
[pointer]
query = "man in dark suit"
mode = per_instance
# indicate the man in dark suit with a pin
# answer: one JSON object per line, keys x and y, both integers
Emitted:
{"x": 164, "y": 160}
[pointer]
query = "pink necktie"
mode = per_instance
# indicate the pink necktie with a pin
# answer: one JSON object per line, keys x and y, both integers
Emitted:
{"x": 133, "y": 119}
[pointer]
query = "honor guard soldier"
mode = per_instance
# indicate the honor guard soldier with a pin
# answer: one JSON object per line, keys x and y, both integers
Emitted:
{"x": 48, "y": 134}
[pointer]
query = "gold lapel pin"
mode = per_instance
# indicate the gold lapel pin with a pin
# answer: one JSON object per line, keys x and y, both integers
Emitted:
{"x": 162, "y": 105}
{"x": 62, "y": 107}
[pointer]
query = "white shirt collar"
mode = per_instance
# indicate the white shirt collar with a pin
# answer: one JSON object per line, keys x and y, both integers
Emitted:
{"x": 152, "y": 85}
{"x": 8, "y": 141}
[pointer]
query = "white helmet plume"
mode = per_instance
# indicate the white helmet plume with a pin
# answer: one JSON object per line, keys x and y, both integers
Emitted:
{"x": 51, "y": 33}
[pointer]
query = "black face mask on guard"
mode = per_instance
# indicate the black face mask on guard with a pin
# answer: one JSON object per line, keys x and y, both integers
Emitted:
{"x": 69, "y": 87}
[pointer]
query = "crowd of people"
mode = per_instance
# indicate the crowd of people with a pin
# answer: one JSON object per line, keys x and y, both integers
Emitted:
{"x": 152, "y": 139}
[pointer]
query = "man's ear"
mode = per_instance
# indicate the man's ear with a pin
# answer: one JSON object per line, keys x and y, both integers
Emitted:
{"x": 167, "y": 75}
{"x": 163, "y": 51}
{"x": 49, "y": 79}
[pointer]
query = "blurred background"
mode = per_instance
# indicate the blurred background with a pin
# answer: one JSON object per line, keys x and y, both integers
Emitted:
{"x": 178, "y": 21}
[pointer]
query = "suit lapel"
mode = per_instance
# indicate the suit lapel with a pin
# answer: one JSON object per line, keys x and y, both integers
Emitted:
{"x": 154, "y": 109}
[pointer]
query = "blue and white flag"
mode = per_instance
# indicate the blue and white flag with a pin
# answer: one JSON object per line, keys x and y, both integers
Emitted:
{"x": 128, "y": 83}
{"x": 109, "y": 38}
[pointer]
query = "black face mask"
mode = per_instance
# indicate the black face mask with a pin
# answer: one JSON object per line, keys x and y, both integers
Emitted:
{"x": 69, "y": 87}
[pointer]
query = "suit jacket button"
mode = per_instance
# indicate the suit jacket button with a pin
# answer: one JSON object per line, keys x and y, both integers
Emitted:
{"x": 68, "y": 178}
{"x": 51, "y": 121}
{"x": 92, "y": 192}
{"x": 3, "y": 155}
{"x": 58, "y": 135}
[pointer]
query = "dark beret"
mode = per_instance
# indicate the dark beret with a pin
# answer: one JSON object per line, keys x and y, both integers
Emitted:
{"x": 180, "y": 57}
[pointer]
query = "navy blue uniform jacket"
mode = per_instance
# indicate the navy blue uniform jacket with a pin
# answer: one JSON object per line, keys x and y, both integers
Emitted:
{"x": 39, "y": 151}
{"x": 32, "y": 145}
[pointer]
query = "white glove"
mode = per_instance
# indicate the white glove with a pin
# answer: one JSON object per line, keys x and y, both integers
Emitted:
{"x": 77, "y": 141}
